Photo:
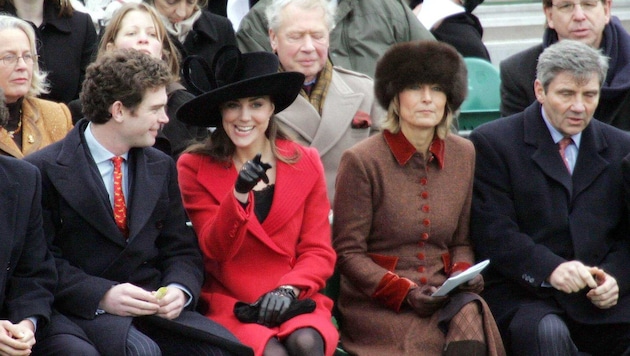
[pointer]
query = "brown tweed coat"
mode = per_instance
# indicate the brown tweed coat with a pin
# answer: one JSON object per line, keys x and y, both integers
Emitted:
{"x": 43, "y": 122}
{"x": 411, "y": 216}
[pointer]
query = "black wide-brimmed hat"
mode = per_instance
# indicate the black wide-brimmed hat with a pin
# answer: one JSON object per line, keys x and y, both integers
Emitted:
{"x": 236, "y": 75}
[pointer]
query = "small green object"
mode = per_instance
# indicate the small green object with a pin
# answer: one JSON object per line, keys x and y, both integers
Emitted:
{"x": 161, "y": 292}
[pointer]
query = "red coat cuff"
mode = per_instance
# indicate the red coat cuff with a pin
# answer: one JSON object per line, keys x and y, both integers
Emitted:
{"x": 460, "y": 266}
{"x": 392, "y": 290}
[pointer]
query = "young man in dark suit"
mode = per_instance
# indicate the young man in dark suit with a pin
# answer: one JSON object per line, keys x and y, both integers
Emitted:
{"x": 29, "y": 274}
{"x": 548, "y": 211}
{"x": 118, "y": 230}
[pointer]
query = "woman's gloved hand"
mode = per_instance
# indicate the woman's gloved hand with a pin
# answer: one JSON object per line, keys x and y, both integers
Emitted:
{"x": 273, "y": 304}
{"x": 422, "y": 302}
{"x": 251, "y": 173}
{"x": 475, "y": 285}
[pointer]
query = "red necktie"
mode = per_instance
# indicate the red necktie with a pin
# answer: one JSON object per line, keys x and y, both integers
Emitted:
{"x": 563, "y": 146}
{"x": 120, "y": 209}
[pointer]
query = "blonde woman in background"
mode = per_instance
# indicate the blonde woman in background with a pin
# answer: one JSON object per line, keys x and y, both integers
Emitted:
{"x": 33, "y": 123}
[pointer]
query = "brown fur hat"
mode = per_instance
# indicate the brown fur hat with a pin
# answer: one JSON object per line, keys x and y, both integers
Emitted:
{"x": 421, "y": 62}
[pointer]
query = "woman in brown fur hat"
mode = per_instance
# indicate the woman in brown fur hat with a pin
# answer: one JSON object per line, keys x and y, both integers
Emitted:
{"x": 402, "y": 210}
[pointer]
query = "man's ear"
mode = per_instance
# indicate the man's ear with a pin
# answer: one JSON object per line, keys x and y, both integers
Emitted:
{"x": 117, "y": 109}
{"x": 273, "y": 41}
{"x": 539, "y": 90}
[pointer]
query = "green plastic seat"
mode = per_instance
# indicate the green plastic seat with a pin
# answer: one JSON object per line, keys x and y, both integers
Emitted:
{"x": 484, "y": 98}
{"x": 332, "y": 291}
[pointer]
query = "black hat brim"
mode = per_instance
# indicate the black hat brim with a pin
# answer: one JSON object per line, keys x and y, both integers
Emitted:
{"x": 204, "y": 110}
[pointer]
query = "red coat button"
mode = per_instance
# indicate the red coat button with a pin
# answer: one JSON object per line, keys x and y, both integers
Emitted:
{"x": 426, "y": 222}
{"x": 421, "y": 256}
{"x": 425, "y": 208}
{"x": 421, "y": 243}
{"x": 424, "y": 195}
{"x": 421, "y": 269}
{"x": 423, "y": 280}
{"x": 423, "y": 181}
{"x": 424, "y": 236}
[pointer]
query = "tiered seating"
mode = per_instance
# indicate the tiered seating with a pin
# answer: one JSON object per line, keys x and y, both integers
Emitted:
{"x": 483, "y": 100}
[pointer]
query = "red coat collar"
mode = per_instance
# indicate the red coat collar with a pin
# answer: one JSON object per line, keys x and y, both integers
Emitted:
{"x": 403, "y": 150}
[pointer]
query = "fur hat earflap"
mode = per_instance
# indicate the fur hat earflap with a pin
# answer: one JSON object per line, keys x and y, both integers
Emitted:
{"x": 421, "y": 62}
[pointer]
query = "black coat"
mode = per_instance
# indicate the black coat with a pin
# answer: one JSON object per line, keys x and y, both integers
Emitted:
{"x": 464, "y": 32}
{"x": 209, "y": 33}
{"x": 529, "y": 215}
{"x": 65, "y": 47}
{"x": 91, "y": 253}
{"x": 219, "y": 7}
{"x": 28, "y": 269}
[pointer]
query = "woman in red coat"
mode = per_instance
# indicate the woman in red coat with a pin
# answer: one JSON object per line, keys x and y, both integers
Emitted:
{"x": 259, "y": 207}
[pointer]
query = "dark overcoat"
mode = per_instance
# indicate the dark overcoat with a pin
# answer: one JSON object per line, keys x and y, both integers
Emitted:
{"x": 92, "y": 254}
{"x": 529, "y": 215}
{"x": 28, "y": 269}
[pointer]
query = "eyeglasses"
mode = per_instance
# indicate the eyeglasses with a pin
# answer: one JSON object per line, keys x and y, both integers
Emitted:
{"x": 568, "y": 7}
{"x": 12, "y": 59}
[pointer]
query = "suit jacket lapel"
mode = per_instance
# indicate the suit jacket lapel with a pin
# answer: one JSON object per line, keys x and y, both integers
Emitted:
{"x": 288, "y": 197}
{"x": 73, "y": 176}
{"x": 323, "y": 132}
{"x": 146, "y": 180}
{"x": 590, "y": 163}
{"x": 546, "y": 155}
{"x": 301, "y": 117}
{"x": 339, "y": 109}
{"x": 31, "y": 135}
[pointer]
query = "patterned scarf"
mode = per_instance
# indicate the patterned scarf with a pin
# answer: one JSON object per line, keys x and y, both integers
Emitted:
{"x": 181, "y": 29}
{"x": 320, "y": 88}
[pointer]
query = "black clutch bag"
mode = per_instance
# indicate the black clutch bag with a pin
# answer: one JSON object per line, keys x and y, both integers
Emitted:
{"x": 248, "y": 313}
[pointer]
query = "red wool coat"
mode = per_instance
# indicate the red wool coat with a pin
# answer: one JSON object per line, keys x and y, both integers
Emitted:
{"x": 245, "y": 259}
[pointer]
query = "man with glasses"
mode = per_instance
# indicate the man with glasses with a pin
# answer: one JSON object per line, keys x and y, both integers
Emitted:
{"x": 587, "y": 21}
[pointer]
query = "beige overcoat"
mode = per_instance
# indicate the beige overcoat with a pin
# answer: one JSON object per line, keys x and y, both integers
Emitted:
{"x": 350, "y": 95}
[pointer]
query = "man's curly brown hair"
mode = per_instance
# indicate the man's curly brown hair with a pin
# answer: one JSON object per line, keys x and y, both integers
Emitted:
{"x": 120, "y": 75}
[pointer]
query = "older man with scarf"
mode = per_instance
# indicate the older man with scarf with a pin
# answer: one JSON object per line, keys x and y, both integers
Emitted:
{"x": 336, "y": 107}
{"x": 590, "y": 22}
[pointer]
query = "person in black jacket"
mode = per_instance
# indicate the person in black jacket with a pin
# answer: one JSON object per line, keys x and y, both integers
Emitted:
{"x": 461, "y": 30}
{"x": 195, "y": 31}
{"x": 30, "y": 276}
{"x": 67, "y": 41}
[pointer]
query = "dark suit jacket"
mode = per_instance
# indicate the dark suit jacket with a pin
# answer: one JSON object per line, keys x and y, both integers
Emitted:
{"x": 28, "y": 269}
{"x": 91, "y": 252}
{"x": 518, "y": 73}
{"x": 529, "y": 215}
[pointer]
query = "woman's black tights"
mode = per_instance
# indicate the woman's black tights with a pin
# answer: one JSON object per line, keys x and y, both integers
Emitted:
{"x": 302, "y": 342}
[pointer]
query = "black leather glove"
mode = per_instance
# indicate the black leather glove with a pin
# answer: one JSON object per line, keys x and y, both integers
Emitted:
{"x": 423, "y": 303}
{"x": 252, "y": 172}
{"x": 274, "y": 304}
